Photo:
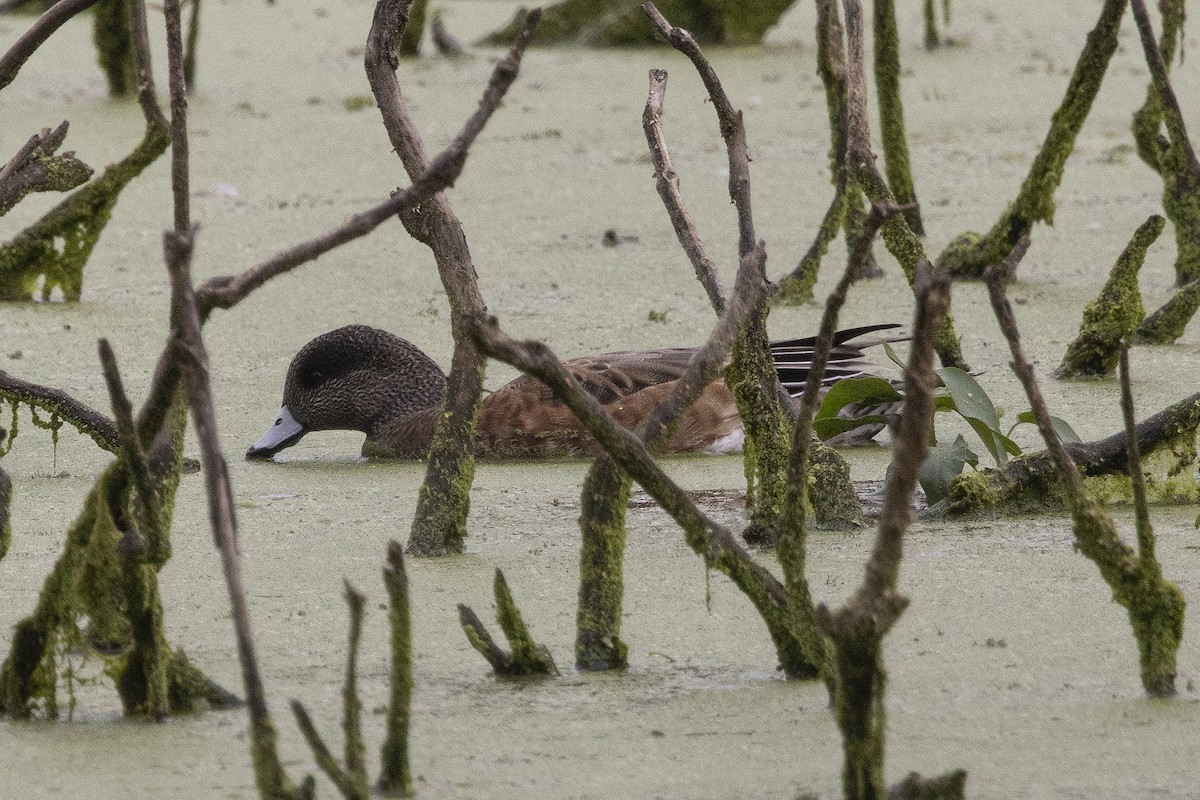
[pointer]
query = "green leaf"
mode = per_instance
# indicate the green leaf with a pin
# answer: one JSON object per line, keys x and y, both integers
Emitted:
{"x": 1065, "y": 432}
{"x": 887, "y": 348}
{"x": 942, "y": 401}
{"x": 828, "y": 427}
{"x": 942, "y": 465}
{"x": 867, "y": 391}
{"x": 973, "y": 403}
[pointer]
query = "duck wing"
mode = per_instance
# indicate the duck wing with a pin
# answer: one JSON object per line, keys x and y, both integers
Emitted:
{"x": 793, "y": 357}
{"x": 614, "y": 376}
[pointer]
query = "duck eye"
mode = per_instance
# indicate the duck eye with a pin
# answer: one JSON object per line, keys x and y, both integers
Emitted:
{"x": 313, "y": 378}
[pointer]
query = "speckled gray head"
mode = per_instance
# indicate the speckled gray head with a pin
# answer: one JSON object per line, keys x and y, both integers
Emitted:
{"x": 353, "y": 378}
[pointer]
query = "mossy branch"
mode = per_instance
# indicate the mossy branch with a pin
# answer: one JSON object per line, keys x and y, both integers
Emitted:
{"x": 35, "y": 254}
{"x": 891, "y": 113}
{"x": 350, "y": 778}
{"x": 707, "y": 538}
{"x": 619, "y": 23}
{"x": 1155, "y": 605}
{"x": 1148, "y": 120}
{"x": 900, "y": 240}
{"x": 846, "y": 209}
{"x": 35, "y": 168}
{"x": 440, "y": 521}
{"x": 395, "y": 775}
{"x": 1032, "y": 482}
{"x": 762, "y": 404}
{"x": 527, "y": 658}
{"x": 88, "y": 421}
{"x": 968, "y": 255}
{"x": 1115, "y": 313}
{"x": 951, "y": 786}
{"x": 1169, "y": 322}
{"x": 1172, "y": 157}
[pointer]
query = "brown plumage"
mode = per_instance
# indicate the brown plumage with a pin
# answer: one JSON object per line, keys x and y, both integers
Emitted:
{"x": 365, "y": 379}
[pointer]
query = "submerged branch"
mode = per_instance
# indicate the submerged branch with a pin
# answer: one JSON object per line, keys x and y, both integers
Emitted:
{"x": 83, "y": 418}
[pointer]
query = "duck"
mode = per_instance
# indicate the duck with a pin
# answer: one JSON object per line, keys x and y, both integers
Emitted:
{"x": 366, "y": 379}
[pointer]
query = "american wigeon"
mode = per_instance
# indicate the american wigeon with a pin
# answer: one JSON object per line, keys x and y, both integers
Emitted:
{"x": 364, "y": 379}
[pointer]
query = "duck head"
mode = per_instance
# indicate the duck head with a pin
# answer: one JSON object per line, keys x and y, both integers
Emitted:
{"x": 354, "y": 378}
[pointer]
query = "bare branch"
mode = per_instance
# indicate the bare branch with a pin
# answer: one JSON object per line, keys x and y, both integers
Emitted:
{"x": 730, "y": 120}
{"x": 1141, "y": 510}
{"x": 667, "y": 183}
{"x": 155, "y": 543}
{"x": 706, "y": 537}
{"x": 50, "y": 21}
{"x": 189, "y": 347}
{"x": 147, "y": 94}
{"x": 179, "y": 138}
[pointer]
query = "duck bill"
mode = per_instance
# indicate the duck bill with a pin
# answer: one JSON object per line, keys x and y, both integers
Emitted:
{"x": 284, "y": 433}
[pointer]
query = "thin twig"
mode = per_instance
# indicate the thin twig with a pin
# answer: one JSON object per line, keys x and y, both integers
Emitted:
{"x": 179, "y": 138}
{"x": 733, "y": 131}
{"x": 131, "y": 445}
{"x": 321, "y": 752}
{"x": 749, "y": 293}
{"x": 229, "y": 290}
{"x": 705, "y": 536}
{"x": 667, "y": 183}
{"x": 1145, "y": 532}
{"x": 50, "y": 21}
{"x": 147, "y": 94}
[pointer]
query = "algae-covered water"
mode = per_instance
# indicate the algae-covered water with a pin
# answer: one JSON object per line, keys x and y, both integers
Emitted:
{"x": 1012, "y": 662}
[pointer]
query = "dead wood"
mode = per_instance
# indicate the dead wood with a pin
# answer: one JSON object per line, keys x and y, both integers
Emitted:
{"x": 856, "y": 630}
{"x": 1155, "y": 605}
{"x": 527, "y": 658}
{"x": 82, "y": 417}
{"x": 860, "y": 161}
{"x": 440, "y": 522}
{"x": 707, "y": 538}
{"x": 35, "y": 168}
{"x": 28, "y": 43}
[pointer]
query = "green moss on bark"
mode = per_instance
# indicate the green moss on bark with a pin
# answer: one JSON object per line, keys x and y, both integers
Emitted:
{"x": 114, "y": 46}
{"x": 834, "y": 501}
{"x": 967, "y": 256}
{"x": 107, "y": 574}
{"x": 444, "y": 501}
{"x": 605, "y": 495}
{"x": 53, "y": 251}
{"x": 891, "y": 113}
{"x": 1115, "y": 313}
{"x": 410, "y": 43}
{"x": 1168, "y": 323}
{"x": 768, "y": 428}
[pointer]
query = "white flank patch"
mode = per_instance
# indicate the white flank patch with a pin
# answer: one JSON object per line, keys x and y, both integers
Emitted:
{"x": 729, "y": 443}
